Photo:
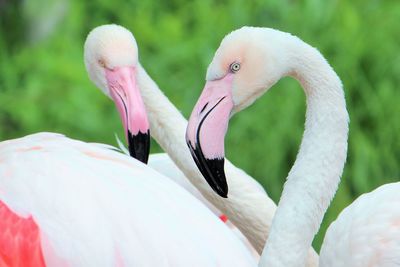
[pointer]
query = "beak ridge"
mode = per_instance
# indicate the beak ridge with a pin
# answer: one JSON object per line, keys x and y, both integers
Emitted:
{"x": 206, "y": 130}
{"x": 126, "y": 95}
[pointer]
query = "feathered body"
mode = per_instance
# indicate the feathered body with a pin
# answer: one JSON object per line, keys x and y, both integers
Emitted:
{"x": 366, "y": 233}
{"x": 94, "y": 206}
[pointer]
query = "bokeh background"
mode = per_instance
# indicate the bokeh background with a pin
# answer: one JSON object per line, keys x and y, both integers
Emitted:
{"x": 44, "y": 85}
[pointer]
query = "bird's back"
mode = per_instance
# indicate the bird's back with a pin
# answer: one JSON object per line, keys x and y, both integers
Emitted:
{"x": 366, "y": 233}
{"x": 162, "y": 163}
{"x": 97, "y": 207}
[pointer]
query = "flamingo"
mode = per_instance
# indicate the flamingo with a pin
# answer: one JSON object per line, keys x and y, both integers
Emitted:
{"x": 253, "y": 217}
{"x": 248, "y": 63}
{"x": 64, "y": 202}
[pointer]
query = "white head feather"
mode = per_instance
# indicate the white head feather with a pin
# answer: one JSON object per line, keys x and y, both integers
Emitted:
{"x": 108, "y": 46}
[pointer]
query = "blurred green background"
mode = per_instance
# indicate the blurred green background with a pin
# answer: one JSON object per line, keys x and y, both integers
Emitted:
{"x": 44, "y": 85}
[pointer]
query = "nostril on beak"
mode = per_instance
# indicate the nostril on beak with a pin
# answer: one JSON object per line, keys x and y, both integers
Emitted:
{"x": 201, "y": 111}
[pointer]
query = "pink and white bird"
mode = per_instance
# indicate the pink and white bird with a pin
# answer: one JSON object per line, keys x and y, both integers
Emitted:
{"x": 249, "y": 62}
{"x": 64, "y": 202}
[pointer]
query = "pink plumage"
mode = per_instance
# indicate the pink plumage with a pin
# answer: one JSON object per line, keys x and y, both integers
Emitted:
{"x": 19, "y": 240}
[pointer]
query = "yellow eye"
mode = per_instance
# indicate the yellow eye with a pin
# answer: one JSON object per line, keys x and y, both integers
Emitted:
{"x": 234, "y": 67}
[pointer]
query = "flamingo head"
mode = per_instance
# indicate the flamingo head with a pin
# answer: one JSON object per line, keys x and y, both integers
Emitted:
{"x": 111, "y": 60}
{"x": 246, "y": 64}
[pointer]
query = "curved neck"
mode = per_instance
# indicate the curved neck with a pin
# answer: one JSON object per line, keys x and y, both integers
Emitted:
{"x": 248, "y": 207}
{"x": 315, "y": 175}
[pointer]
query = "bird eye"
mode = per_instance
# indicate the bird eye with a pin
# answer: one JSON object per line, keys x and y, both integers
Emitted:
{"x": 234, "y": 67}
{"x": 102, "y": 63}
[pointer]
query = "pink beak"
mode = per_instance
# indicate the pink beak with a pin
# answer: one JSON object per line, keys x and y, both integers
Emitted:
{"x": 126, "y": 95}
{"x": 206, "y": 131}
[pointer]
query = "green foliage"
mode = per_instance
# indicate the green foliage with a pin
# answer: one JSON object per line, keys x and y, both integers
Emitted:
{"x": 44, "y": 86}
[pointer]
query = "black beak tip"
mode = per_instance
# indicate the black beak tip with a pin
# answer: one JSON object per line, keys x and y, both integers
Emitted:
{"x": 216, "y": 176}
{"x": 222, "y": 192}
{"x": 139, "y": 146}
{"x": 212, "y": 170}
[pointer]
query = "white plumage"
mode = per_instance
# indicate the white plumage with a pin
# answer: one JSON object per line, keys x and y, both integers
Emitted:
{"x": 162, "y": 163}
{"x": 97, "y": 207}
{"x": 367, "y": 232}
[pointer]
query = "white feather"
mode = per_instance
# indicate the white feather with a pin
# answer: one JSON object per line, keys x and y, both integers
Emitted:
{"x": 366, "y": 233}
{"x": 121, "y": 145}
{"x": 94, "y": 205}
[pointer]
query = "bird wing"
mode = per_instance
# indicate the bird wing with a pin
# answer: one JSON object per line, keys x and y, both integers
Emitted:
{"x": 98, "y": 207}
{"x": 367, "y": 232}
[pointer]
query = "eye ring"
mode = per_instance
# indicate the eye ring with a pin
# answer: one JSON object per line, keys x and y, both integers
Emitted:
{"x": 234, "y": 67}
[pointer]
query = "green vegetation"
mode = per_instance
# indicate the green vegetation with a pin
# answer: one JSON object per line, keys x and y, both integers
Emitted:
{"x": 44, "y": 86}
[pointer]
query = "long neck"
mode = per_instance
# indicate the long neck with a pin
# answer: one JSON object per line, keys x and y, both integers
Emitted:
{"x": 315, "y": 175}
{"x": 248, "y": 207}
